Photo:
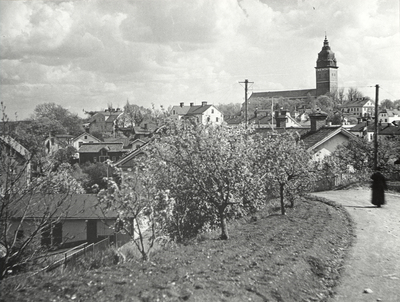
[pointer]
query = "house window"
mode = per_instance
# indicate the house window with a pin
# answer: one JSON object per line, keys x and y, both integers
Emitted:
{"x": 80, "y": 144}
{"x": 85, "y": 136}
{"x": 212, "y": 110}
{"x": 114, "y": 159}
{"x": 95, "y": 159}
{"x": 216, "y": 119}
{"x": 208, "y": 119}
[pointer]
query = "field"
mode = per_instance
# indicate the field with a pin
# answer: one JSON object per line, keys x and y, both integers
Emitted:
{"x": 269, "y": 257}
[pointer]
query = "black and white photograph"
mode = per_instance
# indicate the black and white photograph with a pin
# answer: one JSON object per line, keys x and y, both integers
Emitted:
{"x": 200, "y": 150}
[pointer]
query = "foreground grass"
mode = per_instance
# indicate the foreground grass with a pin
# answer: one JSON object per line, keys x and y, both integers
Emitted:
{"x": 297, "y": 257}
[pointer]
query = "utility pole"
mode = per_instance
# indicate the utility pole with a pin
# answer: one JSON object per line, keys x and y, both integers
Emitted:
{"x": 376, "y": 128}
{"x": 246, "y": 82}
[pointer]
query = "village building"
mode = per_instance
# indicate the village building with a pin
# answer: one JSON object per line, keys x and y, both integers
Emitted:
{"x": 388, "y": 116}
{"x": 322, "y": 140}
{"x": 204, "y": 114}
{"x": 364, "y": 130}
{"x": 103, "y": 121}
{"x": 101, "y": 152}
{"x": 75, "y": 219}
{"x": 84, "y": 138}
{"x": 326, "y": 80}
{"x": 53, "y": 143}
{"x": 389, "y": 131}
{"x": 363, "y": 107}
{"x": 15, "y": 164}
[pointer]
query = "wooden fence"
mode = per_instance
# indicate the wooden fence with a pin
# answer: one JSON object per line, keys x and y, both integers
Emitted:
{"x": 82, "y": 250}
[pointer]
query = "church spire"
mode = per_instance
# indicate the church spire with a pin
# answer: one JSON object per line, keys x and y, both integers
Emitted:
{"x": 326, "y": 57}
{"x": 326, "y": 70}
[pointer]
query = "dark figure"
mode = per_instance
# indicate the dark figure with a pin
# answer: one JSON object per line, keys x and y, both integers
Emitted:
{"x": 378, "y": 189}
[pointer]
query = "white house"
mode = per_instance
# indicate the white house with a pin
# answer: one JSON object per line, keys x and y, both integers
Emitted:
{"x": 200, "y": 113}
{"x": 322, "y": 139}
{"x": 84, "y": 138}
{"x": 361, "y": 107}
{"x": 388, "y": 116}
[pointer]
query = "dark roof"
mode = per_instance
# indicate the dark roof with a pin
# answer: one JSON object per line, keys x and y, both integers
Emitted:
{"x": 122, "y": 140}
{"x": 389, "y": 130}
{"x": 75, "y": 206}
{"x": 96, "y": 147}
{"x": 390, "y": 112}
{"x": 180, "y": 110}
{"x": 361, "y": 127}
{"x": 356, "y": 103}
{"x": 326, "y": 57}
{"x": 310, "y": 139}
{"x": 67, "y": 136}
{"x": 112, "y": 118}
{"x": 233, "y": 120}
{"x": 109, "y": 117}
{"x": 262, "y": 120}
{"x": 292, "y": 94}
{"x": 193, "y": 110}
{"x": 269, "y": 131}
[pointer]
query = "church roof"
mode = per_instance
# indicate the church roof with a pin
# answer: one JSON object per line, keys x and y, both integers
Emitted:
{"x": 292, "y": 94}
{"x": 326, "y": 57}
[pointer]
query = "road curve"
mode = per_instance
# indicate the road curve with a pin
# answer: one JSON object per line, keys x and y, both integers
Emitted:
{"x": 374, "y": 259}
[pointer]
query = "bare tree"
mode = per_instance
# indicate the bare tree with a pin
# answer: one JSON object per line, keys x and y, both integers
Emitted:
{"x": 353, "y": 94}
{"x": 28, "y": 208}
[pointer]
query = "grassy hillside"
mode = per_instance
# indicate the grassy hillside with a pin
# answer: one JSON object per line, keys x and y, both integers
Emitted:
{"x": 269, "y": 257}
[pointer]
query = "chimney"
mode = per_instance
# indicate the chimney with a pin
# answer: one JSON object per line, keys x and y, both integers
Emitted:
{"x": 281, "y": 121}
{"x": 318, "y": 120}
{"x": 191, "y": 104}
{"x": 203, "y": 103}
{"x": 280, "y": 118}
{"x": 182, "y": 104}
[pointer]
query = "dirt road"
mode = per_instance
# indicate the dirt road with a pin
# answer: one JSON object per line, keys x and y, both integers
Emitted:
{"x": 374, "y": 260}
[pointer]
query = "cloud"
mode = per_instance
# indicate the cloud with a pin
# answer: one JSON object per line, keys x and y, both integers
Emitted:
{"x": 38, "y": 27}
{"x": 167, "y": 51}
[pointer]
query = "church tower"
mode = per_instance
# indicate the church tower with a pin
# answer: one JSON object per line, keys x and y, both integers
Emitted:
{"x": 326, "y": 70}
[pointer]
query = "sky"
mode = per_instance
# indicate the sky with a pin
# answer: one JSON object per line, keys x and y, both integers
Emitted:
{"x": 85, "y": 55}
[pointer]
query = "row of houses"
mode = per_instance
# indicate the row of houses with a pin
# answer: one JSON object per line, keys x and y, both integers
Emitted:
{"x": 364, "y": 107}
{"x": 86, "y": 223}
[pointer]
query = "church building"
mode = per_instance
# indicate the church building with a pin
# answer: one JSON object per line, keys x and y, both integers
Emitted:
{"x": 326, "y": 79}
